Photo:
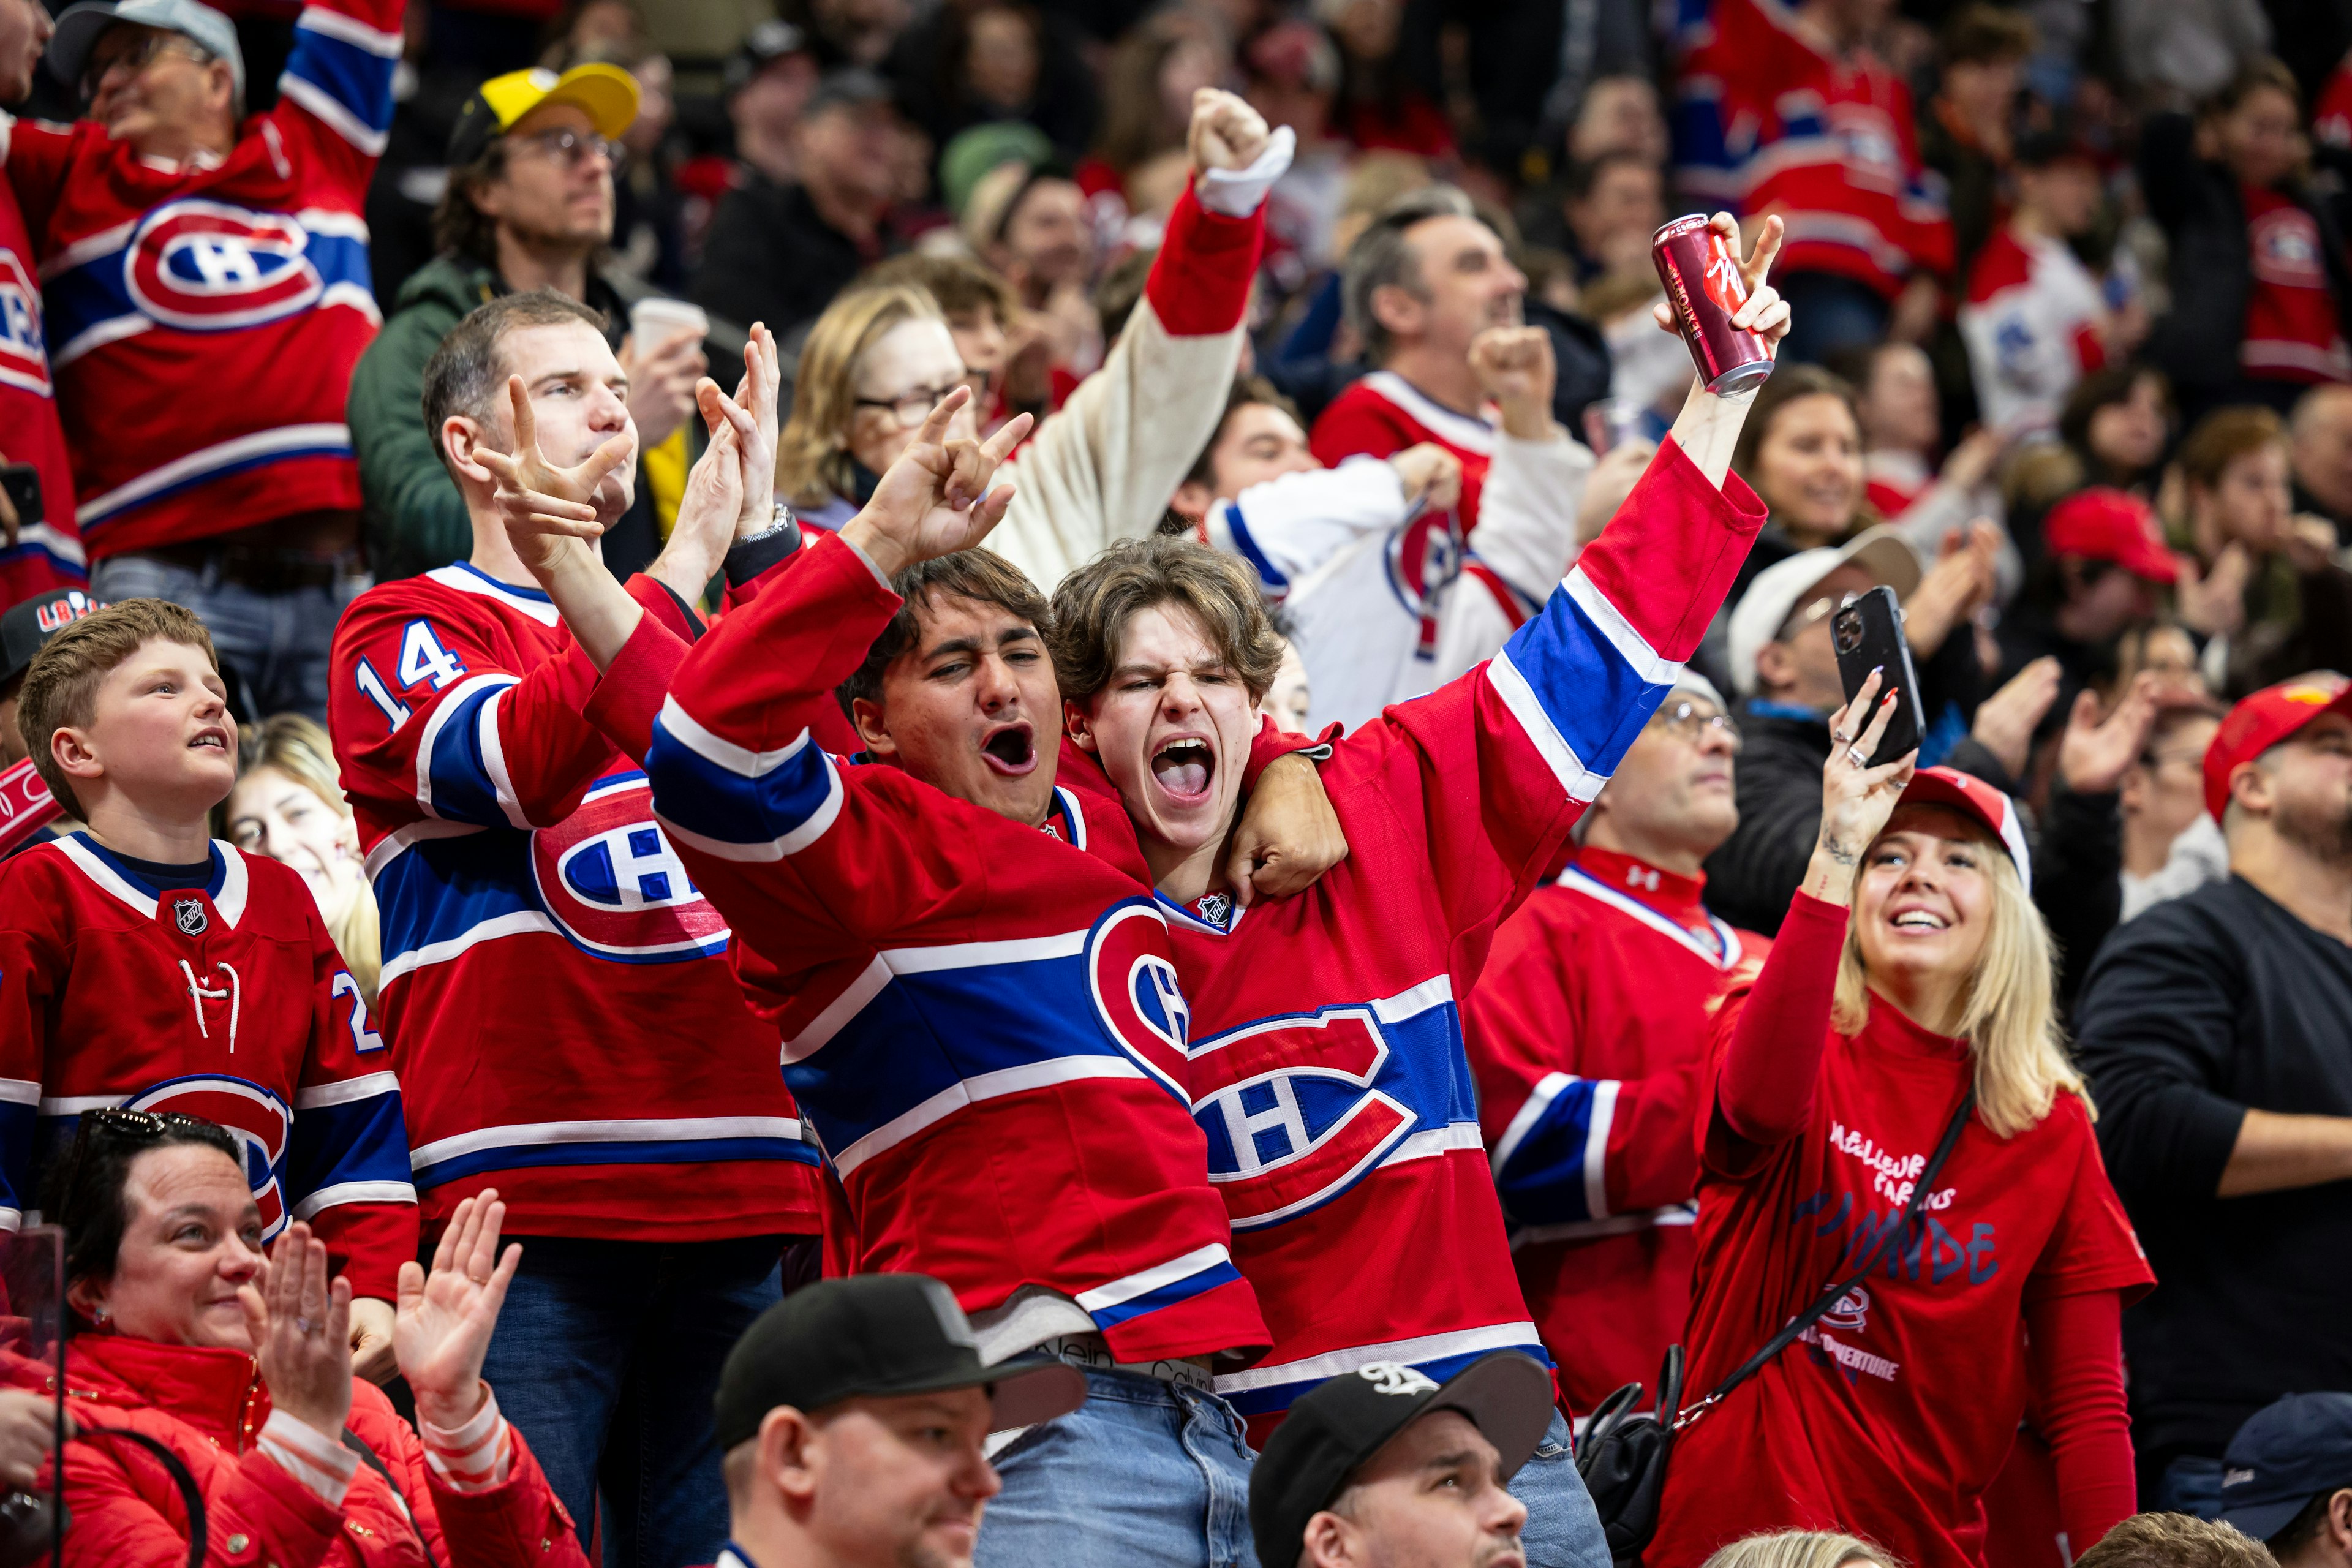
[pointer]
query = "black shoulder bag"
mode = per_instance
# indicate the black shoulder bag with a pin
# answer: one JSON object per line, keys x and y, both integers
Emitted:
{"x": 1623, "y": 1456}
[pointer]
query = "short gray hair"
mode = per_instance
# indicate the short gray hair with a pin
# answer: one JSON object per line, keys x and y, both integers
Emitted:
{"x": 464, "y": 374}
{"x": 1380, "y": 257}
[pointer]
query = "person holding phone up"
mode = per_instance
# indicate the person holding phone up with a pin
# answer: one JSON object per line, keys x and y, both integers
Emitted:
{"x": 1906, "y": 1007}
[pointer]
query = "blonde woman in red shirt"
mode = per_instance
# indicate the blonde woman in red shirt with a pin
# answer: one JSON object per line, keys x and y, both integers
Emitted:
{"x": 1907, "y": 997}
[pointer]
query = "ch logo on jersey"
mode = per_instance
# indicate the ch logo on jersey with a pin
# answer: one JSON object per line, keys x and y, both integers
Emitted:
{"x": 2286, "y": 249}
{"x": 1867, "y": 136}
{"x": 1136, "y": 992}
{"x": 1290, "y": 1113}
{"x": 256, "y": 1119}
{"x": 1850, "y": 1312}
{"x": 609, "y": 877}
{"x": 1395, "y": 1377}
{"x": 206, "y": 266}
{"x": 23, "y": 361}
{"x": 1425, "y": 558}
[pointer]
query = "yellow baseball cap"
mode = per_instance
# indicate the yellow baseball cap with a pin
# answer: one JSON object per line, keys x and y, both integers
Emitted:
{"x": 606, "y": 94}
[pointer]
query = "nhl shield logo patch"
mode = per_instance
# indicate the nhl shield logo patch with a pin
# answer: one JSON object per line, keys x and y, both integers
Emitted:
{"x": 189, "y": 915}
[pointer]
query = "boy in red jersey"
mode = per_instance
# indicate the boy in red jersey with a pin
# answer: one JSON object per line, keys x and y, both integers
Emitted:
{"x": 1326, "y": 1056}
{"x": 144, "y": 963}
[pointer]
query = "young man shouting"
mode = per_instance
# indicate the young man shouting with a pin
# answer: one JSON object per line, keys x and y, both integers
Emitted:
{"x": 1325, "y": 1053}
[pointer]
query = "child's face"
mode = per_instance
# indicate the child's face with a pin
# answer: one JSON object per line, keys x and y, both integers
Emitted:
{"x": 160, "y": 732}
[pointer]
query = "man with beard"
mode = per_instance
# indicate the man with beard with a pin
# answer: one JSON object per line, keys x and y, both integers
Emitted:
{"x": 2213, "y": 1029}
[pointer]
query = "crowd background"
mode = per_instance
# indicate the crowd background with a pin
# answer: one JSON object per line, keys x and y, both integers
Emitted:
{"x": 2069, "y": 373}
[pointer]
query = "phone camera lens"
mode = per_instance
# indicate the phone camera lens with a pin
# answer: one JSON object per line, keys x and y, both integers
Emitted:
{"x": 1848, "y": 628}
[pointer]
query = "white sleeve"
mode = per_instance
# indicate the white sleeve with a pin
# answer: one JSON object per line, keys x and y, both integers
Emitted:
{"x": 1525, "y": 542}
{"x": 1288, "y": 527}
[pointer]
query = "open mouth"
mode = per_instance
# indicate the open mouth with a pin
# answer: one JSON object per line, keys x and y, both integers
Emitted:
{"x": 1184, "y": 767}
{"x": 1919, "y": 920}
{"x": 1012, "y": 751}
{"x": 210, "y": 740}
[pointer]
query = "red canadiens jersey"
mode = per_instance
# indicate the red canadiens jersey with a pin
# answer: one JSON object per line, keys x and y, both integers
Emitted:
{"x": 228, "y": 1002}
{"x": 1587, "y": 1034}
{"x": 48, "y": 551}
{"x": 1381, "y": 414}
{"x": 166, "y": 285}
{"x": 1770, "y": 122}
{"x": 555, "y": 989}
{"x": 2292, "y": 332}
{"x": 2031, "y": 322}
{"x": 984, "y": 1024}
{"x": 1327, "y": 1064}
{"x": 1892, "y": 1416}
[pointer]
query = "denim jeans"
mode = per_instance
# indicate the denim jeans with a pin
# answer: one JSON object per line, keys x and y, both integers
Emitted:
{"x": 606, "y": 1358}
{"x": 2191, "y": 1485}
{"x": 1145, "y": 1474}
{"x": 1561, "y": 1530}
{"x": 1828, "y": 312}
{"x": 277, "y": 643}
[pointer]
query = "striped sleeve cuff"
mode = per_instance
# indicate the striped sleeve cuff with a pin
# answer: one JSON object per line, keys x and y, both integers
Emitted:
{"x": 475, "y": 1457}
{"x": 309, "y": 1455}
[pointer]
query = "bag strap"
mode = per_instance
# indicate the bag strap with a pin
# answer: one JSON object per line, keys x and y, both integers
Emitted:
{"x": 191, "y": 1499}
{"x": 1895, "y": 1238}
{"x": 368, "y": 1457}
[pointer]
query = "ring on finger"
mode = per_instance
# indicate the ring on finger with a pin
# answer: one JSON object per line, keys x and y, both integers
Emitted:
{"x": 302, "y": 1325}
{"x": 1841, "y": 737}
{"x": 1854, "y": 754}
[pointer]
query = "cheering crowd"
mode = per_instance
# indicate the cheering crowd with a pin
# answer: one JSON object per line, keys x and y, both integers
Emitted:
{"x": 1031, "y": 784}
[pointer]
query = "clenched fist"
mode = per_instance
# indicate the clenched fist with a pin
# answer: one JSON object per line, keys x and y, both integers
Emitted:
{"x": 1515, "y": 365}
{"x": 1225, "y": 133}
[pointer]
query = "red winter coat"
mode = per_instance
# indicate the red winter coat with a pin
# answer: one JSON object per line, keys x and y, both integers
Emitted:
{"x": 207, "y": 1406}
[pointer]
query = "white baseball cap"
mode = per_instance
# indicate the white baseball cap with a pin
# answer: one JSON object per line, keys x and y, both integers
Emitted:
{"x": 80, "y": 28}
{"x": 1779, "y": 588}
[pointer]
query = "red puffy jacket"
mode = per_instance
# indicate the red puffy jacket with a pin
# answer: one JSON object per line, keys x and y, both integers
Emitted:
{"x": 207, "y": 1406}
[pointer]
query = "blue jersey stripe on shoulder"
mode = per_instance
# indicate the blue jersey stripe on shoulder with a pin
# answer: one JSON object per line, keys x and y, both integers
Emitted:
{"x": 1589, "y": 697}
{"x": 464, "y": 790}
{"x": 778, "y": 805}
{"x": 361, "y": 1140}
{"x": 358, "y": 79}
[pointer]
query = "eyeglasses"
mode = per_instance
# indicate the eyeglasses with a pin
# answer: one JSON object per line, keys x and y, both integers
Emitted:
{"x": 150, "y": 45}
{"x": 1801, "y": 618}
{"x": 572, "y": 148}
{"x": 1688, "y": 722}
{"x": 912, "y": 408}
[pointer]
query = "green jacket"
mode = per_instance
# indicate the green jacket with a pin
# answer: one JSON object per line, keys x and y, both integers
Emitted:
{"x": 415, "y": 520}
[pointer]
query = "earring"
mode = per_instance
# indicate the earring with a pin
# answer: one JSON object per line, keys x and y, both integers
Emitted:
{"x": 100, "y": 1315}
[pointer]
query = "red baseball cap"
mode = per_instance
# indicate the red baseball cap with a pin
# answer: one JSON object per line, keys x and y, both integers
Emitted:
{"x": 1971, "y": 796}
{"x": 2106, "y": 525}
{"x": 2263, "y": 720}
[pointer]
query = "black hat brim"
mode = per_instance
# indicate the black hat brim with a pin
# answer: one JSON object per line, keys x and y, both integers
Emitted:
{"x": 1023, "y": 1390}
{"x": 2262, "y": 1519}
{"x": 1508, "y": 1397}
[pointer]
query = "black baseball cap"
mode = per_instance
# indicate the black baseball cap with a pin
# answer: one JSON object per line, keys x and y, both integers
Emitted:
{"x": 852, "y": 85}
{"x": 877, "y": 1335}
{"x": 770, "y": 41}
{"x": 27, "y": 625}
{"x": 1344, "y": 1420}
{"x": 2287, "y": 1453}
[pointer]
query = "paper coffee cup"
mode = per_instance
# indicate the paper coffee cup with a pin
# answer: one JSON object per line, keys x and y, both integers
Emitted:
{"x": 655, "y": 321}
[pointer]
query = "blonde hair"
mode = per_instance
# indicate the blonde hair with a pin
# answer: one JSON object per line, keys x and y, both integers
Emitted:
{"x": 295, "y": 745}
{"x": 1800, "y": 1549}
{"x": 812, "y": 462}
{"x": 60, "y": 689}
{"x": 2010, "y": 1021}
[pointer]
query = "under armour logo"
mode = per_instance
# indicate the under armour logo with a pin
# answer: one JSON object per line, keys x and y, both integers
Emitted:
{"x": 1395, "y": 1377}
{"x": 189, "y": 915}
{"x": 1642, "y": 877}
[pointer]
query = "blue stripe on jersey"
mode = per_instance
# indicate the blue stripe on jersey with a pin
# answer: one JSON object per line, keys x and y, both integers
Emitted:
{"x": 1269, "y": 577}
{"x": 1589, "y": 701}
{"x": 358, "y": 1140}
{"x": 463, "y": 787}
{"x": 600, "y": 1152}
{"x": 1545, "y": 1163}
{"x": 920, "y": 1045}
{"x": 1168, "y": 1295}
{"x": 359, "y": 80}
{"x": 728, "y": 800}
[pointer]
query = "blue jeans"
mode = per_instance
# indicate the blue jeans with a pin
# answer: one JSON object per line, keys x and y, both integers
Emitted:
{"x": 277, "y": 643}
{"x": 1828, "y": 313}
{"x": 606, "y": 1358}
{"x": 1145, "y": 1474}
{"x": 2191, "y": 1485}
{"x": 1561, "y": 1530}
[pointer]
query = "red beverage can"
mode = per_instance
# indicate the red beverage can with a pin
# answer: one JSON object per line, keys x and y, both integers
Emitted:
{"x": 1700, "y": 269}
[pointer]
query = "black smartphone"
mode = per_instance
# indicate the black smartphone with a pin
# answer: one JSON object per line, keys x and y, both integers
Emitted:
{"x": 22, "y": 481}
{"x": 1867, "y": 631}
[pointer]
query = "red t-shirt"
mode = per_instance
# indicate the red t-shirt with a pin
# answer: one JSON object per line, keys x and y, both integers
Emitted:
{"x": 1895, "y": 1414}
{"x": 2291, "y": 331}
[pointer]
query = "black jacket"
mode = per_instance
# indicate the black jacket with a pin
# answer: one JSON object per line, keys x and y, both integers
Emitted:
{"x": 770, "y": 257}
{"x": 2200, "y": 1009}
{"x": 2197, "y": 204}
